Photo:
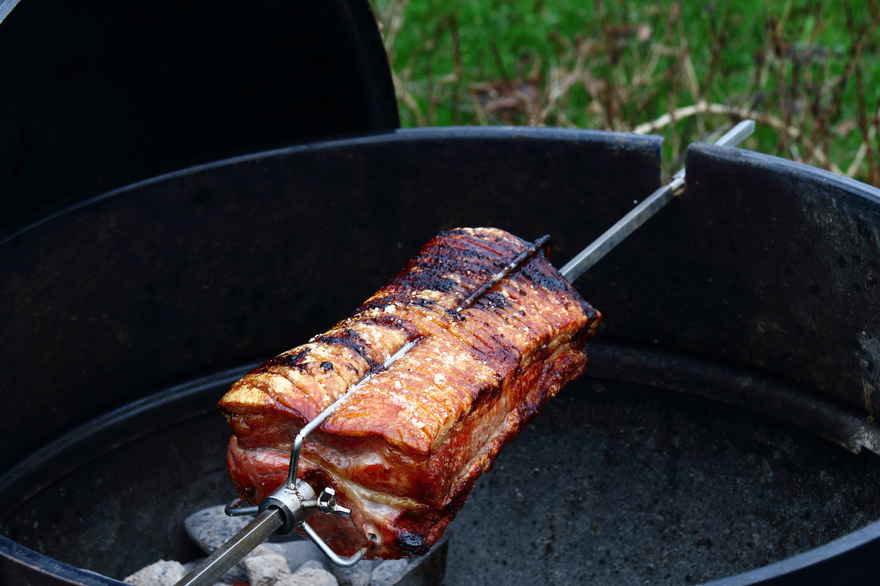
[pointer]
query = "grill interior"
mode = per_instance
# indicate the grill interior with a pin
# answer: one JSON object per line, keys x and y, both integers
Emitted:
{"x": 617, "y": 480}
{"x": 613, "y": 482}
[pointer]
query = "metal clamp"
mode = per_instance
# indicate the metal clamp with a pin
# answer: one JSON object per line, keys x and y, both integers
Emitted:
{"x": 327, "y": 503}
{"x": 237, "y": 509}
{"x": 296, "y": 501}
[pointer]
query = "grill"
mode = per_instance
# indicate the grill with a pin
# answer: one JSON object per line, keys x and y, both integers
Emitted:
{"x": 755, "y": 291}
{"x": 742, "y": 333}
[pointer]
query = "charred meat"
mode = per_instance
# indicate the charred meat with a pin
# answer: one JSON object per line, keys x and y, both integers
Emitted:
{"x": 404, "y": 450}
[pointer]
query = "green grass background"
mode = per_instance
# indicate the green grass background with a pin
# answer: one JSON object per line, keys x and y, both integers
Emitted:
{"x": 813, "y": 67}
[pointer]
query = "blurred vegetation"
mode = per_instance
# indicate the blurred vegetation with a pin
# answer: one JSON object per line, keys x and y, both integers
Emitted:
{"x": 807, "y": 71}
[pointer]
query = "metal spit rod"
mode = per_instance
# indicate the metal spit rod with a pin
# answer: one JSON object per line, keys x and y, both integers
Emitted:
{"x": 290, "y": 505}
{"x": 642, "y": 212}
{"x": 234, "y": 550}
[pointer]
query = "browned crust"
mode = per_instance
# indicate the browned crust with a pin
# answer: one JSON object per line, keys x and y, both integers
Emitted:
{"x": 421, "y": 432}
{"x": 423, "y": 524}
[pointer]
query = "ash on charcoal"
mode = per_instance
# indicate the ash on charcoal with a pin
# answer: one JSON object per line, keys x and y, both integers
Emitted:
{"x": 270, "y": 563}
{"x": 356, "y": 575}
{"x": 266, "y": 568}
{"x": 298, "y": 553}
{"x": 211, "y": 527}
{"x": 389, "y": 572}
{"x": 309, "y": 576}
{"x": 310, "y": 565}
{"x": 161, "y": 573}
{"x": 270, "y": 568}
{"x": 235, "y": 575}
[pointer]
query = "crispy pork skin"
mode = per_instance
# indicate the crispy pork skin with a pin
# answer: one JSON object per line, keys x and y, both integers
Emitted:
{"x": 404, "y": 449}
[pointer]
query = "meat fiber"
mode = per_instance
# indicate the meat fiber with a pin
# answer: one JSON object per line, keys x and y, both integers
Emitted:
{"x": 404, "y": 450}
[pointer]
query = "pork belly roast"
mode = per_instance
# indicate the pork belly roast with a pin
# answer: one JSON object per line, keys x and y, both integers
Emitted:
{"x": 404, "y": 450}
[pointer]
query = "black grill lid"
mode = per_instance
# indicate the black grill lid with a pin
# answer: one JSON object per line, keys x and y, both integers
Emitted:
{"x": 99, "y": 94}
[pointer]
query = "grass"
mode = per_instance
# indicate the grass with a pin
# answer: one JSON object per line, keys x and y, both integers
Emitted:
{"x": 807, "y": 71}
